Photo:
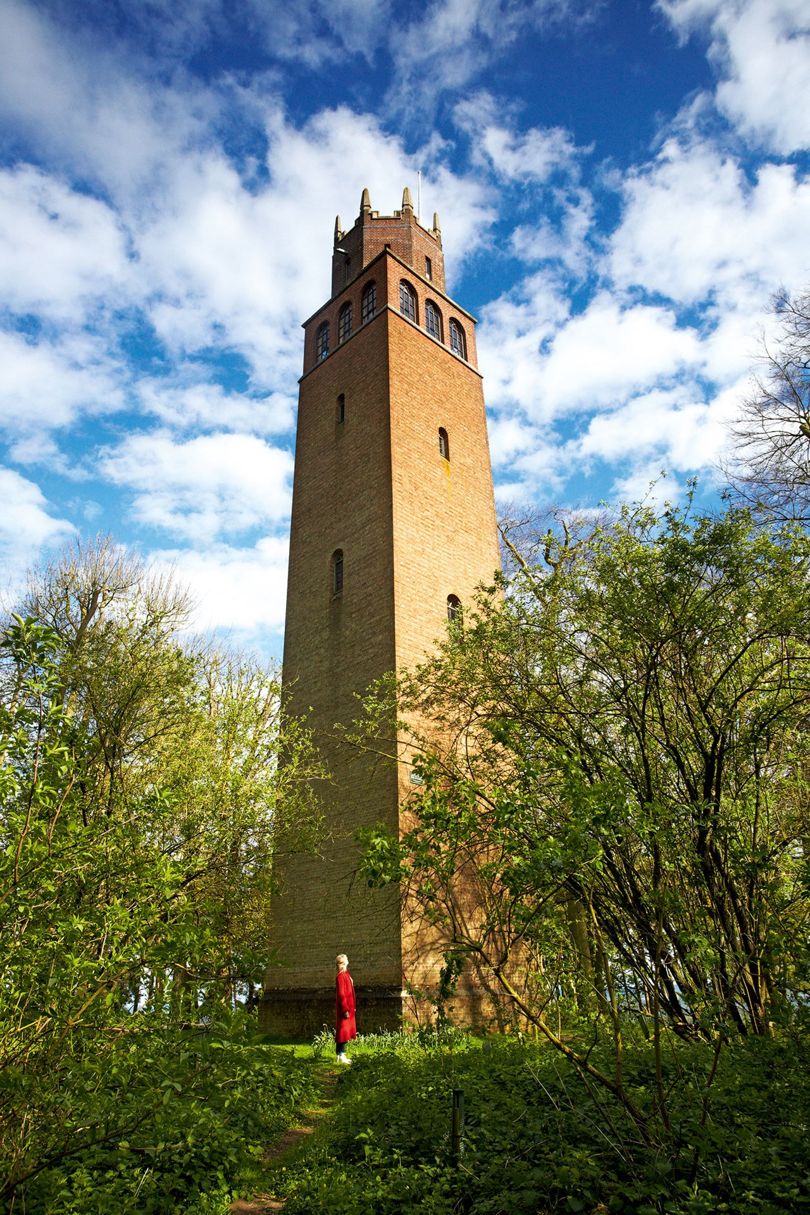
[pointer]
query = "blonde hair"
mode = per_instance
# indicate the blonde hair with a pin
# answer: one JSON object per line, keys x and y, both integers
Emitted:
{"x": 341, "y": 958}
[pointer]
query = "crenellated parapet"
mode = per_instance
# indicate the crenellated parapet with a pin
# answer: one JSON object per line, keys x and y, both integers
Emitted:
{"x": 402, "y": 232}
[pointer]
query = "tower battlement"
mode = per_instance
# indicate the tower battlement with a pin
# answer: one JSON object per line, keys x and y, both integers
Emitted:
{"x": 419, "y": 247}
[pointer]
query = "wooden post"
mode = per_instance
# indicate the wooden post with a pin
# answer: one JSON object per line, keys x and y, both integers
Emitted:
{"x": 457, "y": 1127}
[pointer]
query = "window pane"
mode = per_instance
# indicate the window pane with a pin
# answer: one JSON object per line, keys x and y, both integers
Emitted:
{"x": 322, "y": 343}
{"x": 407, "y": 301}
{"x": 433, "y": 321}
{"x": 458, "y": 343}
{"x": 369, "y": 303}
{"x": 344, "y": 322}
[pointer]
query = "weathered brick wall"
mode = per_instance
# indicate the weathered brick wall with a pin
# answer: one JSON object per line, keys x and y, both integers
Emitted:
{"x": 445, "y": 539}
{"x": 335, "y": 646}
{"x": 414, "y": 528}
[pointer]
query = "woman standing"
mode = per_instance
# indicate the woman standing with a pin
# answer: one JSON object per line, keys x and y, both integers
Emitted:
{"x": 345, "y": 1025}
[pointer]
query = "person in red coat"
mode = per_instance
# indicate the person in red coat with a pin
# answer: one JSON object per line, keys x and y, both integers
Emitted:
{"x": 345, "y": 1007}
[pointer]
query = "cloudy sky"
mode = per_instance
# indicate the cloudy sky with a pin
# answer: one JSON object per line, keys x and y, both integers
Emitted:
{"x": 622, "y": 185}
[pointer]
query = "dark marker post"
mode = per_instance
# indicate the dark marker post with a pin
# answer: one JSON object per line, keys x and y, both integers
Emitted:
{"x": 457, "y": 1127}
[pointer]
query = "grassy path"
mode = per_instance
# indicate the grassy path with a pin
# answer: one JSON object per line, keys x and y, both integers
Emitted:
{"x": 292, "y": 1141}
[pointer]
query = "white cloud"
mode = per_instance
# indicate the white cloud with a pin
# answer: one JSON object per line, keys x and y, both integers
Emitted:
{"x": 241, "y": 589}
{"x": 77, "y": 103}
{"x": 685, "y": 431}
{"x": 60, "y": 251}
{"x": 163, "y": 28}
{"x": 452, "y": 41}
{"x": 240, "y": 267}
{"x": 208, "y": 486}
{"x": 509, "y": 436}
{"x": 49, "y": 384}
{"x": 316, "y": 32}
{"x": 645, "y": 481}
{"x": 536, "y": 154}
{"x": 608, "y": 352}
{"x": 694, "y": 227}
{"x": 204, "y": 406}
{"x": 594, "y": 360}
{"x": 26, "y": 528}
{"x": 218, "y": 255}
{"x": 515, "y": 331}
{"x": 39, "y": 448}
{"x": 567, "y": 242}
{"x": 761, "y": 48}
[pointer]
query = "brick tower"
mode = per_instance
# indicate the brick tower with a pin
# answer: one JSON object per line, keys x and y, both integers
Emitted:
{"x": 393, "y": 527}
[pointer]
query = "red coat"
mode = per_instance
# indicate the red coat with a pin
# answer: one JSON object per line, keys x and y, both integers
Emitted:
{"x": 345, "y": 1025}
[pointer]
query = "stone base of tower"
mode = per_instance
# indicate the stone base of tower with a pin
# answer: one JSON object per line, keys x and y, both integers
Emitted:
{"x": 304, "y": 1012}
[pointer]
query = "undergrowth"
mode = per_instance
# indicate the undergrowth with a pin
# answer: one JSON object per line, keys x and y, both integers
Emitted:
{"x": 199, "y": 1108}
{"x": 538, "y": 1139}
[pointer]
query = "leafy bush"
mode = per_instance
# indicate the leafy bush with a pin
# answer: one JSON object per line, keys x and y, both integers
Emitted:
{"x": 539, "y": 1139}
{"x": 190, "y": 1110}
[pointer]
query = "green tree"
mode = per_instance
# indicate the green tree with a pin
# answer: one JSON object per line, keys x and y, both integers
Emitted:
{"x": 615, "y": 765}
{"x": 139, "y": 795}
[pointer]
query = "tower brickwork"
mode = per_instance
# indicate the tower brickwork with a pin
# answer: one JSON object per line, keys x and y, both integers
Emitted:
{"x": 393, "y": 518}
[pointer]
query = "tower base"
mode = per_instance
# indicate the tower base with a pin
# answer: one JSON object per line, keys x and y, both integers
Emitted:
{"x": 299, "y": 1012}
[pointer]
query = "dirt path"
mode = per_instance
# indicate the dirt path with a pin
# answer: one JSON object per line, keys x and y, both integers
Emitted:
{"x": 287, "y": 1144}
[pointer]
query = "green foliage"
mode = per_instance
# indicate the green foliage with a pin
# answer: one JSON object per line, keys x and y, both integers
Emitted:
{"x": 616, "y": 759}
{"x": 140, "y": 794}
{"x": 611, "y": 818}
{"x": 540, "y": 1139}
{"x": 185, "y": 1114}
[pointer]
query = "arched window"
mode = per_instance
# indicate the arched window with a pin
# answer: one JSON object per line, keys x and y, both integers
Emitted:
{"x": 433, "y": 320}
{"x": 444, "y": 444}
{"x": 344, "y": 322}
{"x": 322, "y": 341}
{"x": 454, "y": 609}
{"x": 407, "y": 301}
{"x": 340, "y": 412}
{"x": 337, "y": 572}
{"x": 458, "y": 342}
{"x": 368, "y": 303}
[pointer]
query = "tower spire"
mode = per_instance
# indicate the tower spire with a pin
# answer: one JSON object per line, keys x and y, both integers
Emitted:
{"x": 407, "y": 201}
{"x": 365, "y": 202}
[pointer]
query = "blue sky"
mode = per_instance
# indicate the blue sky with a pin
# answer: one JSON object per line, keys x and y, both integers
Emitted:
{"x": 621, "y": 185}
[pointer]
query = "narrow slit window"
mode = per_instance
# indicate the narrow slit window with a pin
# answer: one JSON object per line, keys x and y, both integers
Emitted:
{"x": 337, "y": 572}
{"x": 454, "y": 609}
{"x": 458, "y": 340}
{"x": 340, "y": 412}
{"x": 444, "y": 444}
{"x": 428, "y": 268}
{"x": 407, "y": 301}
{"x": 322, "y": 341}
{"x": 433, "y": 320}
{"x": 368, "y": 304}
{"x": 344, "y": 322}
